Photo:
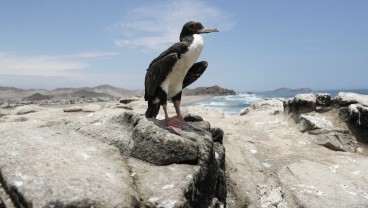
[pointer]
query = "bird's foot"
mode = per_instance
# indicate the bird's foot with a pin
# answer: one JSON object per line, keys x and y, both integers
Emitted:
{"x": 174, "y": 124}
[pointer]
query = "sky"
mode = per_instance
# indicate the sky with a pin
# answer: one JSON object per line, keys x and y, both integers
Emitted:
{"x": 262, "y": 44}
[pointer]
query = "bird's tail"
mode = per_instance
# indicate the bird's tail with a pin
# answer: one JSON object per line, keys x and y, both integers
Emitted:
{"x": 152, "y": 110}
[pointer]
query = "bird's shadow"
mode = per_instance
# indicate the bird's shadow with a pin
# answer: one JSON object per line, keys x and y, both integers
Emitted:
{"x": 185, "y": 126}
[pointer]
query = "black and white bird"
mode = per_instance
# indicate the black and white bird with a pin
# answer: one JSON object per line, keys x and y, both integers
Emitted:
{"x": 173, "y": 70}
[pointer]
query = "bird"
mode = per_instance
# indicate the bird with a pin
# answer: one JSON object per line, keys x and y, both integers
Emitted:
{"x": 173, "y": 70}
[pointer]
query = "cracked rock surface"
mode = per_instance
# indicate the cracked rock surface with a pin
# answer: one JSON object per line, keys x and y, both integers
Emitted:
{"x": 105, "y": 156}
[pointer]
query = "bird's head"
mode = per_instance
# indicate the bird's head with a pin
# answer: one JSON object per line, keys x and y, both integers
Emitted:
{"x": 193, "y": 27}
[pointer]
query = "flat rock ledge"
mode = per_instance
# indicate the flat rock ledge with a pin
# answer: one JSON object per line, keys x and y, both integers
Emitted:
{"x": 108, "y": 157}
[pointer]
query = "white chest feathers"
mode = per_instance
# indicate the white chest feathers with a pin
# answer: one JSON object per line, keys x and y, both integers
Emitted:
{"x": 174, "y": 82}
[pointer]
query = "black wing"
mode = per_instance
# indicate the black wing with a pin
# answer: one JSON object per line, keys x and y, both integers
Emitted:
{"x": 178, "y": 48}
{"x": 194, "y": 73}
{"x": 160, "y": 67}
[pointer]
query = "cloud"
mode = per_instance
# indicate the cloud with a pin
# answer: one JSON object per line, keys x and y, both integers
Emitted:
{"x": 158, "y": 26}
{"x": 42, "y": 65}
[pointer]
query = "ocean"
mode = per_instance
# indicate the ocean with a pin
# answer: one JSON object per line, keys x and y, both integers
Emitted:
{"x": 233, "y": 104}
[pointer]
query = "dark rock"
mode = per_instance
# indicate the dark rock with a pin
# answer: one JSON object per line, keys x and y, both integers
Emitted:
{"x": 344, "y": 99}
{"x": 301, "y": 103}
{"x": 73, "y": 109}
{"x": 127, "y": 100}
{"x": 192, "y": 118}
{"x": 217, "y": 134}
{"x": 323, "y": 99}
{"x": 204, "y": 125}
{"x": 323, "y": 102}
{"x": 220, "y": 154}
{"x": 244, "y": 111}
{"x": 358, "y": 115}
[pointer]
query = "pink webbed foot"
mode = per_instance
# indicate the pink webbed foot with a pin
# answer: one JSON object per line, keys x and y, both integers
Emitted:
{"x": 174, "y": 125}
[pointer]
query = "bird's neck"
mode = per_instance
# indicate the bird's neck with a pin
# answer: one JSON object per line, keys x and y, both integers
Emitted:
{"x": 187, "y": 38}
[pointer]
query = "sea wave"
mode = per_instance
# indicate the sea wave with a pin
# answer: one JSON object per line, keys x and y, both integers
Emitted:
{"x": 233, "y": 104}
{"x": 230, "y": 104}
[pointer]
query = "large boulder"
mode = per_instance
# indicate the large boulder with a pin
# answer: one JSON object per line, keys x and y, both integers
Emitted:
{"x": 301, "y": 103}
{"x": 311, "y": 122}
{"x": 44, "y": 163}
{"x": 344, "y": 99}
{"x": 323, "y": 102}
{"x": 272, "y": 106}
{"x": 107, "y": 158}
{"x": 355, "y": 114}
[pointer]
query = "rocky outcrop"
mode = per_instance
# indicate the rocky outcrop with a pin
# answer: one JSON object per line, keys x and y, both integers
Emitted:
{"x": 108, "y": 157}
{"x": 304, "y": 157}
{"x": 214, "y": 90}
{"x": 317, "y": 115}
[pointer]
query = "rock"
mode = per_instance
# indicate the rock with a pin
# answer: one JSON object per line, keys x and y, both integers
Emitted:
{"x": 163, "y": 186}
{"x": 301, "y": 103}
{"x": 127, "y": 100}
{"x": 73, "y": 109}
{"x": 91, "y": 108}
{"x": 323, "y": 102}
{"x": 27, "y": 109}
{"x": 358, "y": 115}
{"x": 192, "y": 118}
{"x": 244, "y": 111}
{"x": 272, "y": 197}
{"x": 55, "y": 166}
{"x": 332, "y": 182}
{"x": 55, "y": 159}
{"x": 149, "y": 138}
{"x": 310, "y": 122}
{"x": 337, "y": 142}
{"x": 272, "y": 106}
{"x": 344, "y": 99}
{"x": 123, "y": 106}
{"x": 323, "y": 99}
{"x": 204, "y": 125}
{"x": 217, "y": 134}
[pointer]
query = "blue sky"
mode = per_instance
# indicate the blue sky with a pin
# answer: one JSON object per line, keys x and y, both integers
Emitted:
{"x": 262, "y": 45}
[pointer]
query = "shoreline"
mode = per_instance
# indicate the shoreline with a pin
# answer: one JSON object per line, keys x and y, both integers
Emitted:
{"x": 189, "y": 100}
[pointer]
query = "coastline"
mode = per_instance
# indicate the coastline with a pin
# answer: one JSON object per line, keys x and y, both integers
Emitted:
{"x": 188, "y": 100}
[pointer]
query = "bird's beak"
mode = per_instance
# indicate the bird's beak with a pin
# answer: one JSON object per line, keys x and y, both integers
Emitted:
{"x": 204, "y": 30}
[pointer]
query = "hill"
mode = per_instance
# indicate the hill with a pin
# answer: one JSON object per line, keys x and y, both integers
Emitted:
{"x": 214, "y": 90}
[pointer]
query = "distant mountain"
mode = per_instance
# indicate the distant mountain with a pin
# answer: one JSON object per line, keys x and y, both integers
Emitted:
{"x": 37, "y": 96}
{"x": 16, "y": 94}
{"x": 88, "y": 94}
{"x": 285, "y": 89}
{"x": 214, "y": 90}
